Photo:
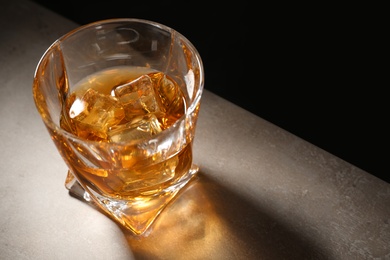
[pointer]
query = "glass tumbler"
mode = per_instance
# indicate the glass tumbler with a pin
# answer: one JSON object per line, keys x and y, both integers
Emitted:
{"x": 120, "y": 99}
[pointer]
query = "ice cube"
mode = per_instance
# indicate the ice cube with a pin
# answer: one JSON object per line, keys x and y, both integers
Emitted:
{"x": 167, "y": 89}
{"x": 94, "y": 113}
{"x": 138, "y": 97}
{"x": 170, "y": 96}
{"x": 139, "y": 128}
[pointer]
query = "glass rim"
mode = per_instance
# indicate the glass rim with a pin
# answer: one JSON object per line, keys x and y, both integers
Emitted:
{"x": 189, "y": 110}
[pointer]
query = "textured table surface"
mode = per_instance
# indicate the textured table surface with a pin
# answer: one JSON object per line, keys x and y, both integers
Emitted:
{"x": 262, "y": 193}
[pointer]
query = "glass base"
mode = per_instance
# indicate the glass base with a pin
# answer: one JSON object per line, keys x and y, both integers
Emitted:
{"x": 136, "y": 214}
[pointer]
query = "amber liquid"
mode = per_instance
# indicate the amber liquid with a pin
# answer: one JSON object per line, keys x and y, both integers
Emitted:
{"x": 123, "y": 111}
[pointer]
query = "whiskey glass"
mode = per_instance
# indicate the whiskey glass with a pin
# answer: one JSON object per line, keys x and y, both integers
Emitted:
{"x": 120, "y": 99}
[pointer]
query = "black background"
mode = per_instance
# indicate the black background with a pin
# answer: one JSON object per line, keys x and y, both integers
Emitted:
{"x": 314, "y": 70}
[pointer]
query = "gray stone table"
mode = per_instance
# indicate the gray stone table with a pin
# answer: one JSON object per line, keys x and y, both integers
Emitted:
{"x": 262, "y": 192}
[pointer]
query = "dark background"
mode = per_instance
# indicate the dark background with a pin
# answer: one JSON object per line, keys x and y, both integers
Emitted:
{"x": 313, "y": 70}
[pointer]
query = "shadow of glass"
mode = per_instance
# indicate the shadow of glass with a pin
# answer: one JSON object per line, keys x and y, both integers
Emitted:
{"x": 209, "y": 221}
